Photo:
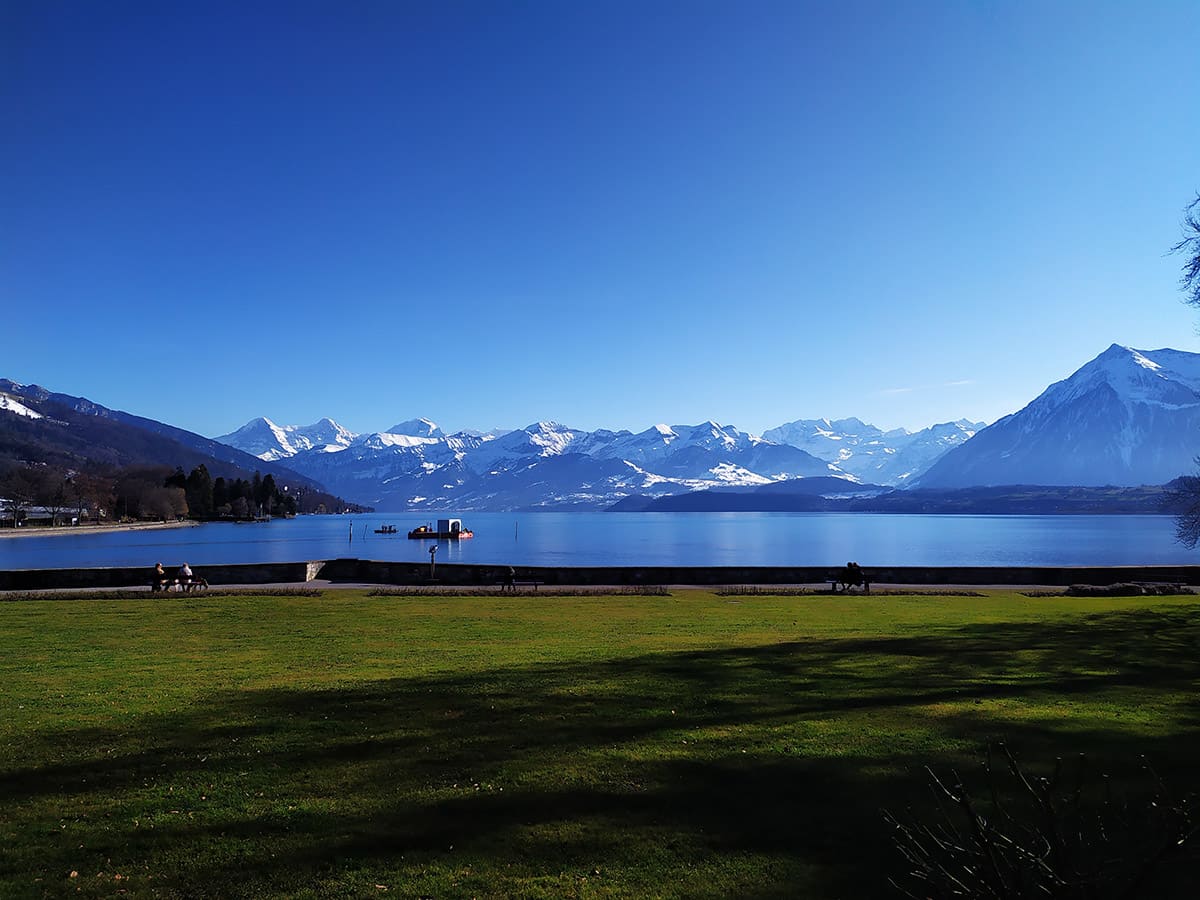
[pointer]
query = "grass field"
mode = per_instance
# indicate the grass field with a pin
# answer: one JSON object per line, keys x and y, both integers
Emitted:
{"x": 688, "y": 745}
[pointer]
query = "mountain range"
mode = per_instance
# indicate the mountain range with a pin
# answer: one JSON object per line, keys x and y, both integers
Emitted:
{"x": 869, "y": 453}
{"x": 545, "y": 465}
{"x": 1128, "y": 417}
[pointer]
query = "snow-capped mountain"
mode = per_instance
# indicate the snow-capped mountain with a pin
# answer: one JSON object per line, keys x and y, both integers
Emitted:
{"x": 1128, "y": 417}
{"x": 543, "y": 465}
{"x": 263, "y": 438}
{"x": 869, "y": 453}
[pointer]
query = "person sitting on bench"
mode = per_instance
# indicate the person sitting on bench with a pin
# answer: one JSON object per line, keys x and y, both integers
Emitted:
{"x": 854, "y": 575}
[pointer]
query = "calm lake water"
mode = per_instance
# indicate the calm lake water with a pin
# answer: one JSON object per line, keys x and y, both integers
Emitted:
{"x": 578, "y": 539}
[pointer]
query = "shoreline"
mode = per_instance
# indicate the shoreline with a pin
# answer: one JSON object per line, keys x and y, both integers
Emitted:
{"x": 56, "y": 530}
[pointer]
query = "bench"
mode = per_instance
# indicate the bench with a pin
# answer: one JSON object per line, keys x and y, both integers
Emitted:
{"x": 516, "y": 584}
{"x": 850, "y": 575}
{"x": 165, "y": 584}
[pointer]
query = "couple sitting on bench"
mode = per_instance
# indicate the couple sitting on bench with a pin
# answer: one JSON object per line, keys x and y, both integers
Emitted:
{"x": 185, "y": 578}
{"x": 853, "y": 574}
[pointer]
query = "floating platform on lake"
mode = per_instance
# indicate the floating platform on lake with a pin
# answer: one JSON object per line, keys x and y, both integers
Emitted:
{"x": 447, "y": 530}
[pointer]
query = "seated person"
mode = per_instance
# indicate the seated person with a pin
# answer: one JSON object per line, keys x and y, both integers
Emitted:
{"x": 159, "y": 581}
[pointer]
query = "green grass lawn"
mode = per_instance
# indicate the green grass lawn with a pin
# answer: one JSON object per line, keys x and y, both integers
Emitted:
{"x": 690, "y": 745}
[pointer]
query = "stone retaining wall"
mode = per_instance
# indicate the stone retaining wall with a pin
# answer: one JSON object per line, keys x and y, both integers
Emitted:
{"x": 140, "y": 576}
{"x": 455, "y": 574}
{"x": 357, "y": 571}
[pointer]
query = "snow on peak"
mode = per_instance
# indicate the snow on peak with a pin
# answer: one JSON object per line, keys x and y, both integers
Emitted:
{"x": 269, "y": 442}
{"x": 397, "y": 439}
{"x": 729, "y": 473}
{"x": 12, "y": 405}
{"x": 421, "y": 427}
{"x": 551, "y": 437}
{"x": 1165, "y": 378}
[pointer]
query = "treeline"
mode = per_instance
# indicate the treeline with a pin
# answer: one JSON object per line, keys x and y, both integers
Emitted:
{"x": 150, "y": 493}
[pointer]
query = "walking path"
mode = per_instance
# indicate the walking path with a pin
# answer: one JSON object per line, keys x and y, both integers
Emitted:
{"x": 50, "y": 531}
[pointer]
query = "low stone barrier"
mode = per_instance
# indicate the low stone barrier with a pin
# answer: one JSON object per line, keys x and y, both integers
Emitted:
{"x": 140, "y": 576}
{"x": 376, "y": 572}
{"x": 359, "y": 571}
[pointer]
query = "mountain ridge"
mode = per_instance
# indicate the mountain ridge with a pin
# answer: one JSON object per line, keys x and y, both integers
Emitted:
{"x": 1125, "y": 418}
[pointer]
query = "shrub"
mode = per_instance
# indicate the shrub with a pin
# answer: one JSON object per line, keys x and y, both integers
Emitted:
{"x": 1066, "y": 836}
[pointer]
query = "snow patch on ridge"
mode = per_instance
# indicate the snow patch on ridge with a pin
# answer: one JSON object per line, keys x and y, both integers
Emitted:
{"x": 9, "y": 404}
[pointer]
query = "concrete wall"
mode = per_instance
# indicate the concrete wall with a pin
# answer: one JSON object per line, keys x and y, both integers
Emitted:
{"x": 357, "y": 571}
{"x": 140, "y": 576}
{"x": 452, "y": 574}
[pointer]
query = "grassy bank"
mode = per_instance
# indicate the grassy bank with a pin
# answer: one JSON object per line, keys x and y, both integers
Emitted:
{"x": 687, "y": 745}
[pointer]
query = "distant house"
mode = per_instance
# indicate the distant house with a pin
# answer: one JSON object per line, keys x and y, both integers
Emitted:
{"x": 41, "y": 516}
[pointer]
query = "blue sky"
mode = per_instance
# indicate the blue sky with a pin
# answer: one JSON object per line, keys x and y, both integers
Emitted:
{"x": 610, "y": 214}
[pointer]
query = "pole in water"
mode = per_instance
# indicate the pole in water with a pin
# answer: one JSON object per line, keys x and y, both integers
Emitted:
{"x": 352, "y": 532}
{"x": 516, "y": 525}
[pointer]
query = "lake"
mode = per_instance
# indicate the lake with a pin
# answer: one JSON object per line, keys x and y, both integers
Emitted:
{"x": 619, "y": 539}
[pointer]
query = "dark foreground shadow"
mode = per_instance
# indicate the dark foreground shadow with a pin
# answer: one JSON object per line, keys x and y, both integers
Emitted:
{"x": 756, "y": 772}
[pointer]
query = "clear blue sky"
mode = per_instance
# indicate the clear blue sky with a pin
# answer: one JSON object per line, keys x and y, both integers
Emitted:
{"x": 606, "y": 213}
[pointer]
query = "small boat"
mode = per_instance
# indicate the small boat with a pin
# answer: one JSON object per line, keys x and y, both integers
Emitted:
{"x": 447, "y": 529}
{"x": 386, "y": 529}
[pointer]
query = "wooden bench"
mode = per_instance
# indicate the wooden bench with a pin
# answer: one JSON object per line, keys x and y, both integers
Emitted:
{"x": 846, "y": 577}
{"x": 516, "y": 584}
{"x": 166, "y": 584}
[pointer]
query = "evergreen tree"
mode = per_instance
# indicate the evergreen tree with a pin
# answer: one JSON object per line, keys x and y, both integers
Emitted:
{"x": 270, "y": 494}
{"x": 200, "y": 492}
{"x": 220, "y": 493}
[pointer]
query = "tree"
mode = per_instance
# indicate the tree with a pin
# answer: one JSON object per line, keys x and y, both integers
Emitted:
{"x": 142, "y": 493}
{"x": 269, "y": 491}
{"x": 200, "y": 492}
{"x": 54, "y": 493}
{"x": 1187, "y": 496}
{"x": 19, "y": 489}
{"x": 1189, "y": 245}
{"x": 164, "y": 503}
{"x": 92, "y": 494}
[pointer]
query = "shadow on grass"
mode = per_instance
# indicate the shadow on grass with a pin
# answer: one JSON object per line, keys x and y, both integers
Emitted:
{"x": 757, "y": 771}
